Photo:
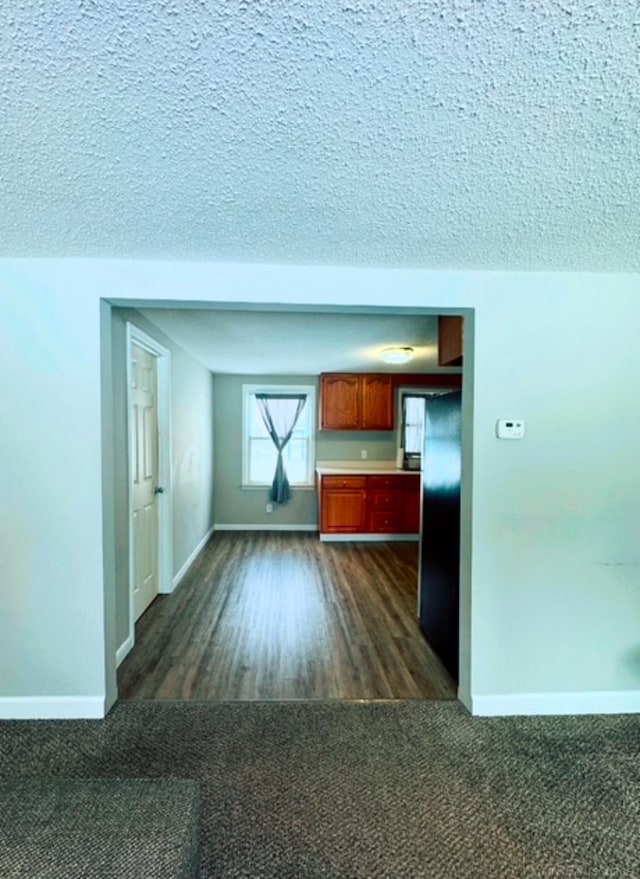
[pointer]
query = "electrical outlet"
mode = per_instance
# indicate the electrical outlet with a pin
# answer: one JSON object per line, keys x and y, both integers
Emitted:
{"x": 269, "y": 508}
{"x": 364, "y": 454}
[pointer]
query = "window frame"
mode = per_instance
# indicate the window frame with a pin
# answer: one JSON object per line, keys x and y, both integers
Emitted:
{"x": 403, "y": 426}
{"x": 414, "y": 391}
{"x": 248, "y": 390}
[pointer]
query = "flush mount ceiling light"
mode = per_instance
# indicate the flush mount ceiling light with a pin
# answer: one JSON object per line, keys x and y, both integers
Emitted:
{"x": 396, "y": 354}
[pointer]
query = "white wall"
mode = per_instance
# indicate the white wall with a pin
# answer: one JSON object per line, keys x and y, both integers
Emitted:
{"x": 550, "y": 595}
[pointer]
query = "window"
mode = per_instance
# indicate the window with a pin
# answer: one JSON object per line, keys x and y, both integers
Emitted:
{"x": 413, "y": 405}
{"x": 413, "y": 413}
{"x": 259, "y": 454}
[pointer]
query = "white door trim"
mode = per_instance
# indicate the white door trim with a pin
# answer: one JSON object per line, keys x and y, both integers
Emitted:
{"x": 165, "y": 514}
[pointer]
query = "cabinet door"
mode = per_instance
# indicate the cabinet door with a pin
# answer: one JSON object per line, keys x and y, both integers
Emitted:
{"x": 339, "y": 402}
{"x": 411, "y": 504}
{"x": 343, "y": 510}
{"x": 450, "y": 340}
{"x": 377, "y": 402}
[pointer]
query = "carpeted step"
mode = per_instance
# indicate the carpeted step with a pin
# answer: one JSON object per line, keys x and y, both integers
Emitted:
{"x": 99, "y": 829}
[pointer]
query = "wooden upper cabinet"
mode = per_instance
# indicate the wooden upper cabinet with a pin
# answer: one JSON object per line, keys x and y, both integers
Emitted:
{"x": 450, "y": 340}
{"x": 339, "y": 402}
{"x": 377, "y": 402}
{"x": 353, "y": 401}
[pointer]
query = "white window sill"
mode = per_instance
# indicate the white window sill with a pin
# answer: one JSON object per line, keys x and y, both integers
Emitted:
{"x": 307, "y": 486}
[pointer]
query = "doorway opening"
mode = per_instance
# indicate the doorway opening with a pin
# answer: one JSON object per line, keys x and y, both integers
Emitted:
{"x": 168, "y": 542}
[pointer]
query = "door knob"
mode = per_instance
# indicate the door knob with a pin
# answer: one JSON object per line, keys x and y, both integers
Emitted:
{"x": 158, "y": 490}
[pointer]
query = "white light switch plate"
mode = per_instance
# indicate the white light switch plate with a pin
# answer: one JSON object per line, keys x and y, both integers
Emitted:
{"x": 510, "y": 428}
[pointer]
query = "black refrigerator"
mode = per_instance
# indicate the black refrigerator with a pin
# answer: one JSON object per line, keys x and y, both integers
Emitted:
{"x": 439, "y": 586}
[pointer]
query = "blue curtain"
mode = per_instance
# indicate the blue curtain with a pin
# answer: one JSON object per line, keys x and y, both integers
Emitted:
{"x": 280, "y": 413}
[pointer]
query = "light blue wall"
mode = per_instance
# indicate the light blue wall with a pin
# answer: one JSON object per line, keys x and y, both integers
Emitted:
{"x": 550, "y": 606}
{"x": 52, "y": 633}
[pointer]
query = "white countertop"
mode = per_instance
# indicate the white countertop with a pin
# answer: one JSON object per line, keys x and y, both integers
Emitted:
{"x": 361, "y": 468}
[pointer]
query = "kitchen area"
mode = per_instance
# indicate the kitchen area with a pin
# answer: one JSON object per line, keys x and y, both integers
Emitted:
{"x": 362, "y": 499}
{"x": 367, "y": 499}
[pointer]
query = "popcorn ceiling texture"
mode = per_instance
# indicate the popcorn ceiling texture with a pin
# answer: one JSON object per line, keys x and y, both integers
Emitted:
{"x": 427, "y": 133}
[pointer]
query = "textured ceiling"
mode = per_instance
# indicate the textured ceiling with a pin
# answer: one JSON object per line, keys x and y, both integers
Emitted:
{"x": 303, "y": 343}
{"x": 426, "y": 133}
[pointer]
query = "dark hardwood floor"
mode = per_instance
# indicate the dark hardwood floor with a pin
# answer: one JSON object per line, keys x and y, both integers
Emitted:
{"x": 281, "y": 615}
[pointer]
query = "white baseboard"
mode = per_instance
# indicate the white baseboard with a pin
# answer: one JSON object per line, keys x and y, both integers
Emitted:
{"x": 265, "y": 527}
{"x": 52, "y": 707}
{"x": 124, "y": 649}
{"x": 590, "y": 702}
{"x": 183, "y": 570}
{"x": 368, "y": 538}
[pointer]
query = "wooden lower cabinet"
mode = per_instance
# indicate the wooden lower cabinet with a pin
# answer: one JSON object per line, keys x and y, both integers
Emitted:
{"x": 343, "y": 504}
{"x": 385, "y": 501}
{"x": 370, "y": 504}
{"x": 412, "y": 503}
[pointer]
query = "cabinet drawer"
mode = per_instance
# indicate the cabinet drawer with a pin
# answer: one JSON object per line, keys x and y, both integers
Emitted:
{"x": 386, "y": 522}
{"x": 382, "y": 482}
{"x": 386, "y": 500}
{"x": 344, "y": 482}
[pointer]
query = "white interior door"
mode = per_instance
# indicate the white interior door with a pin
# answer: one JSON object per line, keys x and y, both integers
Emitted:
{"x": 145, "y": 477}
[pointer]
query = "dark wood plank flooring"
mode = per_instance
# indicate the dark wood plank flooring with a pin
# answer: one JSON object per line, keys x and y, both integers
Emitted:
{"x": 264, "y": 615}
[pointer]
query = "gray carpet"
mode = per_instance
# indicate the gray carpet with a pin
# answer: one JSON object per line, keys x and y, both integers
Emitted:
{"x": 99, "y": 829}
{"x": 396, "y": 789}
